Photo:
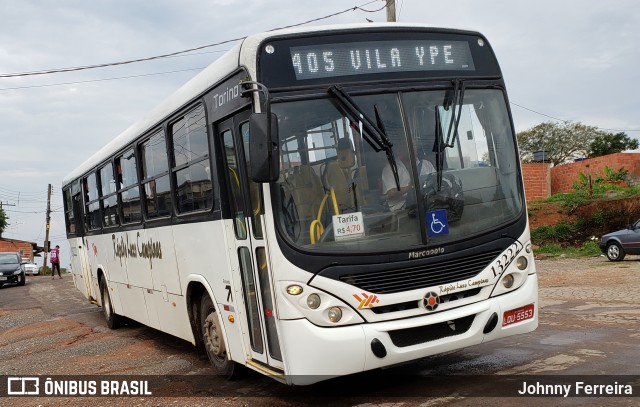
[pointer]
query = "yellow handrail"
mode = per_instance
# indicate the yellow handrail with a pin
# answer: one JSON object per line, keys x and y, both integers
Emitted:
{"x": 316, "y": 229}
{"x": 335, "y": 202}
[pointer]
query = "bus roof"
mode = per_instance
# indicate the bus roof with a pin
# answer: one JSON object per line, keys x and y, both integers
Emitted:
{"x": 243, "y": 54}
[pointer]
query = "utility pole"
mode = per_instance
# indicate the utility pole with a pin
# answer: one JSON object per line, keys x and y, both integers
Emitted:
{"x": 391, "y": 11}
{"x": 46, "y": 238}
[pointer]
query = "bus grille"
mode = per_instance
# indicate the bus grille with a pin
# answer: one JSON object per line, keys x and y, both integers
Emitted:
{"x": 422, "y": 334}
{"x": 410, "y": 278}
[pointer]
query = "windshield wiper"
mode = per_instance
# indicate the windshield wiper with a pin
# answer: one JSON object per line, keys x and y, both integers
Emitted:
{"x": 374, "y": 134}
{"x": 450, "y": 102}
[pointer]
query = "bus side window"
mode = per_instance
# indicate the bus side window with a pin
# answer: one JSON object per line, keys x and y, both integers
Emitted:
{"x": 68, "y": 212}
{"x": 108, "y": 197}
{"x": 128, "y": 189}
{"x": 155, "y": 175}
{"x": 92, "y": 203}
{"x": 192, "y": 172}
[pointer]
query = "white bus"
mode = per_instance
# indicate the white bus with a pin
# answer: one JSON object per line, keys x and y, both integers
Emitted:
{"x": 317, "y": 202}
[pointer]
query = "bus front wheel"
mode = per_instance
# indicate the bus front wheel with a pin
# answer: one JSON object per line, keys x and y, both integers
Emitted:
{"x": 213, "y": 338}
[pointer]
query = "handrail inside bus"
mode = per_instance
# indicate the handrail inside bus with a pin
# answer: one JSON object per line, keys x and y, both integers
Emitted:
{"x": 316, "y": 229}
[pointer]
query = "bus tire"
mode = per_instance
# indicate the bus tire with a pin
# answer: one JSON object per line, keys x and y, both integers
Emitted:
{"x": 213, "y": 339}
{"x": 114, "y": 320}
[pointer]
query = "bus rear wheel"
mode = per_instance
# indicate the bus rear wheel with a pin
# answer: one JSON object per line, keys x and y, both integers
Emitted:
{"x": 213, "y": 339}
{"x": 113, "y": 320}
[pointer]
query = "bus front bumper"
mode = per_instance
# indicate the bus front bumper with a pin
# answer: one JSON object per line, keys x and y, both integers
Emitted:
{"x": 316, "y": 353}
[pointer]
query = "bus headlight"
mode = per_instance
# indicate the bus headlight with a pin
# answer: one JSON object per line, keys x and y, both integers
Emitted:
{"x": 507, "y": 281}
{"x": 313, "y": 301}
{"x": 335, "y": 314}
{"x": 319, "y": 307}
{"x": 522, "y": 263}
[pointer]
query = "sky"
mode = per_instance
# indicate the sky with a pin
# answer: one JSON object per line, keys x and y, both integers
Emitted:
{"x": 569, "y": 60}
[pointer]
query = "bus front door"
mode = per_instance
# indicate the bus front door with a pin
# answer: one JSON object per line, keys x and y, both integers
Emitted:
{"x": 245, "y": 202}
{"x": 80, "y": 253}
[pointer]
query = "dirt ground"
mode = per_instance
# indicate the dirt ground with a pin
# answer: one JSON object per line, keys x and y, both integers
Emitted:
{"x": 589, "y": 325}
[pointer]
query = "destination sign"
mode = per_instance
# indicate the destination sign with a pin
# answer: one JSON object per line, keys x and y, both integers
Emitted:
{"x": 361, "y": 58}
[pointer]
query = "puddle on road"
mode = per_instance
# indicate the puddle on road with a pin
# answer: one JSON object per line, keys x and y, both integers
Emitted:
{"x": 591, "y": 305}
{"x": 570, "y": 337}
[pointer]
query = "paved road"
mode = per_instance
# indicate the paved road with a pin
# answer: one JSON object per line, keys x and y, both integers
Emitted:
{"x": 589, "y": 325}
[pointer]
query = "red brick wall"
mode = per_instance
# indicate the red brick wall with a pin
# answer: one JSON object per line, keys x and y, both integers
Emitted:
{"x": 541, "y": 182}
{"x": 563, "y": 176}
{"x": 536, "y": 181}
{"x": 16, "y": 245}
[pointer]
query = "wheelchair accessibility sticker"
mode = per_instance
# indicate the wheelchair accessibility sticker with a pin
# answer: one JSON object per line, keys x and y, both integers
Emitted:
{"x": 437, "y": 223}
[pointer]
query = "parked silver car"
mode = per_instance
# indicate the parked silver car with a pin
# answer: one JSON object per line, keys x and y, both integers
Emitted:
{"x": 618, "y": 244}
{"x": 30, "y": 268}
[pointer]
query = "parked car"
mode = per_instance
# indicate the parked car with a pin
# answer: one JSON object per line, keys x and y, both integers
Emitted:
{"x": 31, "y": 268}
{"x": 618, "y": 244}
{"x": 11, "y": 269}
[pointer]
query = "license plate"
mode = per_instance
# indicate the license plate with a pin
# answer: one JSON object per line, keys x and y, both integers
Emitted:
{"x": 518, "y": 315}
{"x": 3, "y": 279}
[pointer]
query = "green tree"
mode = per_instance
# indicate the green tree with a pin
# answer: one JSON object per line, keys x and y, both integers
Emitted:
{"x": 562, "y": 141}
{"x": 3, "y": 221}
{"x": 610, "y": 143}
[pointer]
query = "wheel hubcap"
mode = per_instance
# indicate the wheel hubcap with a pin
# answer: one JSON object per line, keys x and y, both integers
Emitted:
{"x": 212, "y": 338}
{"x": 613, "y": 251}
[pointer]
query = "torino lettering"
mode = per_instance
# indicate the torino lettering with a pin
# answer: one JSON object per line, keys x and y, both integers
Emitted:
{"x": 220, "y": 99}
{"x": 146, "y": 250}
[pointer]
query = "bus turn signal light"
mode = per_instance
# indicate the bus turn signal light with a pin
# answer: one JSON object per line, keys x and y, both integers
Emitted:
{"x": 294, "y": 290}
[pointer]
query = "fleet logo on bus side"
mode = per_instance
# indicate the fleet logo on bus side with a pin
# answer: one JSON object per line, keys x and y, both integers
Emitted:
{"x": 146, "y": 250}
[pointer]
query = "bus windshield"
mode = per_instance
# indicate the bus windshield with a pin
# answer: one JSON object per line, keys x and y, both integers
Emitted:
{"x": 339, "y": 191}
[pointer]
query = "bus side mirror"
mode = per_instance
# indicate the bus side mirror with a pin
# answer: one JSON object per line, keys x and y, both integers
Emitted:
{"x": 263, "y": 147}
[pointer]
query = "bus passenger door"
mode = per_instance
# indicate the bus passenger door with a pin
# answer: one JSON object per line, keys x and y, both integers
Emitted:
{"x": 80, "y": 252}
{"x": 244, "y": 198}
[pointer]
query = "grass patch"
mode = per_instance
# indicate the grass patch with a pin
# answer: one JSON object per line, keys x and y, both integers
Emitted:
{"x": 588, "y": 249}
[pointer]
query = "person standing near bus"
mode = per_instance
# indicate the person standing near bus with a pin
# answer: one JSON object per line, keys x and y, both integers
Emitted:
{"x": 55, "y": 262}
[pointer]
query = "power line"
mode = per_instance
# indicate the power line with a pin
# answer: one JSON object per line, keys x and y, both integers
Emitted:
{"x": 104, "y": 65}
{"x": 536, "y": 112}
{"x": 103, "y": 79}
{"x": 11, "y": 210}
{"x": 15, "y": 192}
{"x": 335, "y": 14}
{"x": 566, "y": 121}
{"x": 176, "y": 53}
